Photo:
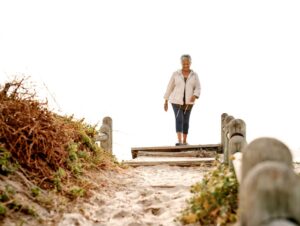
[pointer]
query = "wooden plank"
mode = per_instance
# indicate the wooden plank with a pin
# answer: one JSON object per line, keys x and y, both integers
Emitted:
{"x": 175, "y": 162}
{"x": 178, "y": 154}
{"x": 182, "y": 147}
{"x": 207, "y": 147}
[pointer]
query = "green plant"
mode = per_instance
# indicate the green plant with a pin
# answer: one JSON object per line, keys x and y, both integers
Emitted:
{"x": 35, "y": 191}
{"x": 8, "y": 201}
{"x": 75, "y": 168}
{"x": 76, "y": 192}
{"x": 83, "y": 155}
{"x": 6, "y": 164}
{"x": 4, "y": 197}
{"x": 3, "y": 210}
{"x": 73, "y": 161}
{"x": 59, "y": 174}
{"x": 215, "y": 199}
{"x": 72, "y": 150}
{"x": 88, "y": 141}
{"x": 90, "y": 130}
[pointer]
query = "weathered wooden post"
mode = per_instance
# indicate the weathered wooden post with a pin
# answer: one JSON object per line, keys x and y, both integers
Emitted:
{"x": 270, "y": 195}
{"x": 106, "y": 134}
{"x": 281, "y": 223}
{"x": 265, "y": 149}
{"x": 237, "y": 138}
{"x": 223, "y": 116}
{"x": 227, "y": 120}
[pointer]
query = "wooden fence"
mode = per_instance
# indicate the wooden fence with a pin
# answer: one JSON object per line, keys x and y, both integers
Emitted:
{"x": 269, "y": 191}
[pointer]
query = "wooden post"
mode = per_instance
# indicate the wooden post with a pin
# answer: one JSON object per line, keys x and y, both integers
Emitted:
{"x": 227, "y": 120}
{"x": 236, "y": 164}
{"x": 270, "y": 193}
{"x": 237, "y": 127}
{"x": 106, "y": 129}
{"x": 223, "y": 116}
{"x": 237, "y": 138}
{"x": 281, "y": 222}
{"x": 265, "y": 149}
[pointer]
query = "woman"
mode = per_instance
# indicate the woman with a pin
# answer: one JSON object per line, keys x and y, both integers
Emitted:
{"x": 182, "y": 91}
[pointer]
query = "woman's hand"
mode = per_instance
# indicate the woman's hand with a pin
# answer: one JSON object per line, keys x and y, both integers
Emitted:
{"x": 193, "y": 98}
{"x": 166, "y": 106}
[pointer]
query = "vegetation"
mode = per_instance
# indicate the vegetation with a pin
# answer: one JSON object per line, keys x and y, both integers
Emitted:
{"x": 6, "y": 163}
{"x": 9, "y": 203}
{"x": 52, "y": 152}
{"x": 215, "y": 199}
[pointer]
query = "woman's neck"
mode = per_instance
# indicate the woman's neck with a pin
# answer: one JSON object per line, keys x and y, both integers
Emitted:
{"x": 186, "y": 72}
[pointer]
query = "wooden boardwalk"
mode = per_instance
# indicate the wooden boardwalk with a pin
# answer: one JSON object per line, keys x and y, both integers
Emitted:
{"x": 184, "y": 148}
{"x": 186, "y": 155}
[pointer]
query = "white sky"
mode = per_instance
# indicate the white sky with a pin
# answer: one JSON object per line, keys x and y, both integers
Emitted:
{"x": 115, "y": 58}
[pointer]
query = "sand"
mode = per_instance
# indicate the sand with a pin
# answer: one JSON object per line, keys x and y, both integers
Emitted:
{"x": 139, "y": 196}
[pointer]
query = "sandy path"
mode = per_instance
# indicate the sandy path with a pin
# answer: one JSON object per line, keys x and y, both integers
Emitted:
{"x": 144, "y": 196}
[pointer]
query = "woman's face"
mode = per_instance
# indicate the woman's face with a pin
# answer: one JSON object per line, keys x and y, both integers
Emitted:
{"x": 186, "y": 64}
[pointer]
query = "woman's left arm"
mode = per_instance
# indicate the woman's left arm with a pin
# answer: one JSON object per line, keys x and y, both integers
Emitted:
{"x": 197, "y": 89}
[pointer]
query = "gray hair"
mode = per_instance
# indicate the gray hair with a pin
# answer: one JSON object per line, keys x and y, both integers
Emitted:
{"x": 186, "y": 56}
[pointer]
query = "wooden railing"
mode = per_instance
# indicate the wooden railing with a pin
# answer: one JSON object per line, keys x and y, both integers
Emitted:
{"x": 269, "y": 191}
{"x": 233, "y": 139}
{"x": 105, "y": 134}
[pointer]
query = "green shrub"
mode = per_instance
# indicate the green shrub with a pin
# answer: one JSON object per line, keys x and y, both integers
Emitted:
{"x": 215, "y": 199}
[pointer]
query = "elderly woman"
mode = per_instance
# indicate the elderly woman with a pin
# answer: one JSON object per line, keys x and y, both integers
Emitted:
{"x": 182, "y": 91}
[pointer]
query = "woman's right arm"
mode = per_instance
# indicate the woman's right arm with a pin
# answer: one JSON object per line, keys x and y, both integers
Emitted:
{"x": 170, "y": 87}
{"x": 169, "y": 90}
